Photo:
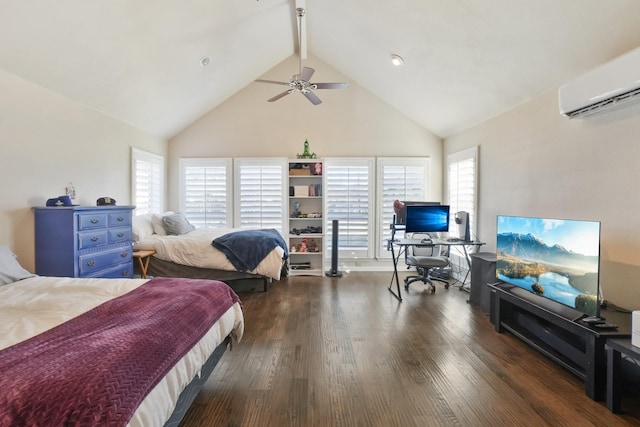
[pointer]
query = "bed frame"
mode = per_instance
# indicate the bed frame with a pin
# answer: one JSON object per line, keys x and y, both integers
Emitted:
{"x": 190, "y": 392}
{"x": 238, "y": 281}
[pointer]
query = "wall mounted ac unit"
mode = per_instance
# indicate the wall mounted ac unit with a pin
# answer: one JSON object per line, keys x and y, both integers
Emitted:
{"x": 611, "y": 85}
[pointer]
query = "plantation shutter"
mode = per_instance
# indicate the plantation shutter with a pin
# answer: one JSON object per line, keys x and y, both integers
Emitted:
{"x": 205, "y": 192}
{"x": 403, "y": 179}
{"x": 260, "y": 193}
{"x": 461, "y": 175}
{"x": 148, "y": 182}
{"x": 348, "y": 198}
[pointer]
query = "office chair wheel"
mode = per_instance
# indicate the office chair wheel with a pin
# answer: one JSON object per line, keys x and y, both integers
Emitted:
{"x": 433, "y": 289}
{"x": 446, "y": 286}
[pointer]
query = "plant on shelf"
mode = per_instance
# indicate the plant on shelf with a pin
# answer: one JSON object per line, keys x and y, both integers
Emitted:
{"x": 306, "y": 152}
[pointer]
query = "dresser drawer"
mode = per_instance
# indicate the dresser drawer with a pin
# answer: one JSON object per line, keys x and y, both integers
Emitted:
{"x": 119, "y": 235}
{"x": 119, "y": 219}
{"x": 120, "y": 271}
{"x": 92, "y": 239}
{"x": 92, "y": 262}
{"x": 89, "y": 221}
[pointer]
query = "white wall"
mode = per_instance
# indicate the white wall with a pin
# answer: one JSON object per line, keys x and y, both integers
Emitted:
{"x": 349, "y": 122}
{"x": 47, "y": 141}
{"x": 534, "y": 162}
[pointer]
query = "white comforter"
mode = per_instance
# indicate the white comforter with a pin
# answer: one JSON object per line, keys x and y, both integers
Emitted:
{"x": 31, "y": 306}
{"x": 195, "y": 249}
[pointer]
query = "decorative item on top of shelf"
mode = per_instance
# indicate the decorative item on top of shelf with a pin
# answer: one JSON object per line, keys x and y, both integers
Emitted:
{"x": 296, "y": 210}
{"x": 106, "y": 201}
{"x": 299, "y": 169}
{"x": 59, "y": 201}
{"x": 307, "y": 230}
{"x": 306, "y": 153}
{"x": 305, "y": 245}
{"x": 312, "y": 246}
{"x": 70, "y": 191}
{"x": 317, "y": 169}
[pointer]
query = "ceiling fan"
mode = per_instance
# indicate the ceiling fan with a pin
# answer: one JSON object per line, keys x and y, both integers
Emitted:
{"x": 301, "y": 82}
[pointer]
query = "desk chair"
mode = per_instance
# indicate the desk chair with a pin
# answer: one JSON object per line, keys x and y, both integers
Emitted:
{"x": 425, "y": 259}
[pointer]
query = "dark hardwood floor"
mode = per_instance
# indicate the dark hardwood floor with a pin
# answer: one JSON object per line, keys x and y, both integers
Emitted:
{"x": 344, "y": 352}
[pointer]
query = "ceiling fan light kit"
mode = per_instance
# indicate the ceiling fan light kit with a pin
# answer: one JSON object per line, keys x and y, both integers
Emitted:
{"x": 301, "y": 82}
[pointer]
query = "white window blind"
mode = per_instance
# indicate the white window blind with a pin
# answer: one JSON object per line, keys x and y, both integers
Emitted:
{"x": 147, "y": 170}
{"x": 260, "y": 193}
{"x": 205, "y": 196}
{"x": 461, "y": 178}
{"x": 349, "y": 199}
{"x": 403, "y": 179}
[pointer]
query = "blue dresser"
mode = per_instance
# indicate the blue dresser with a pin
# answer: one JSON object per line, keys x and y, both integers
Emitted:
{"x": 84, "y": 241}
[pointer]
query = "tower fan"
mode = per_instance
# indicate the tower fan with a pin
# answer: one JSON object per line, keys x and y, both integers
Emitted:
{"x": 334, "y": 272}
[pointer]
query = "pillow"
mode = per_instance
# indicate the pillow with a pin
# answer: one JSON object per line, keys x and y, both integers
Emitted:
{"x": 142, "y": 227}
{"x": 156, "y": 220}
{"x": 10, "y": 269}
{"x": 177, "y": 224}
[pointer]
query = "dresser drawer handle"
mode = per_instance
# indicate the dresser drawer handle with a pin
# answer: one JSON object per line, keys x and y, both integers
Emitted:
{"x": 120, "y": 234}
{"x": 120, "y": 218}
{"x": 95, "y": 221}
{"x": 91, "y": 263}
{"x": 124, "y": 254}
{"x": 95, "y": 239}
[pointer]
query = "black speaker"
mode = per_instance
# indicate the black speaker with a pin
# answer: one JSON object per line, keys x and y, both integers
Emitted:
{"x": 334, "y": 272}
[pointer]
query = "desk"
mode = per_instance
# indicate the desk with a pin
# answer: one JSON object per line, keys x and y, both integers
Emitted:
{"x": 143, "y": 257}
{"x": 616, "y": 347}
{"x": 403, "y": 244}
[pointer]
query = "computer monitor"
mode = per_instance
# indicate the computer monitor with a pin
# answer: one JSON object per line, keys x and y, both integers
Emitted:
{"x": 426, "y": 218}
{"x": 401, "y": 215}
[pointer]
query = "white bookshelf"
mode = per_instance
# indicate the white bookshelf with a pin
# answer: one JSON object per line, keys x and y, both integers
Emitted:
{"x": 306, "y": 226}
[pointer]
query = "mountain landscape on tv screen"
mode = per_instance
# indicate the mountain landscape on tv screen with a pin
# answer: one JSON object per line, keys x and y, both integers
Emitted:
{"x": 548, "y": 270}
{"x": 528, "y": 247}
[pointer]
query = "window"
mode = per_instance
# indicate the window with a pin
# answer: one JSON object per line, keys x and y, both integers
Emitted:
{"x": 147, "y": 181}
{"x": 461, "y": 179}
{"x": 349, "y": 199}
{"x": 260, "y": 193}
{"x": 402, "y": 179}
{"x": 205, "y": 192}
{"x": 461, "y": 191}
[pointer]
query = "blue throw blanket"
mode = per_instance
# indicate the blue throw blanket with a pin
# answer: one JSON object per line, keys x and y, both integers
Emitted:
{"x": 246, "y": 248}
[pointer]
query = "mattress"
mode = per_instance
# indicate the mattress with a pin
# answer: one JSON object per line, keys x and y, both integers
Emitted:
{"x": 194, "y": 249}
{"x": 34, "y": 305}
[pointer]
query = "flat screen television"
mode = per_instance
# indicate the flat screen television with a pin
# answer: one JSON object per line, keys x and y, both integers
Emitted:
{"x": 558, "y": 259}
{"x": 426, "y": 218}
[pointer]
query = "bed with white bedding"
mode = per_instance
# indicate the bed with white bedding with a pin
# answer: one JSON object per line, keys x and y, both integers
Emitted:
{"x": 184, "y": 251}
{"x": 34, "y": 309}
{"x": 195, "y": 249}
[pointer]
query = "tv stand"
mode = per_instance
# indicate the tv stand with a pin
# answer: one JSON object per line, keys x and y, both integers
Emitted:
{"x": 557, "y": 332}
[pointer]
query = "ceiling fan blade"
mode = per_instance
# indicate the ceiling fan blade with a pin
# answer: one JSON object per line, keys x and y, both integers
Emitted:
{"x": 306, "y": 74}
{"x": 312, "y": 97}
{"x": 280, "y": 95}
{"x": 272, "y": 82}
{"x": 331, "y": 85}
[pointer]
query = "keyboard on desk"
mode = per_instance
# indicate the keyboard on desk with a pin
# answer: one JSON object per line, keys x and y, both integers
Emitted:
{"x": 415, "y": 241}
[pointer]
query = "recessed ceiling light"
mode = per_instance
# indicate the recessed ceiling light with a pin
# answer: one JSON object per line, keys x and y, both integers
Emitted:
{"x": 204, "y": 61}
{"x": 397, "y": 60}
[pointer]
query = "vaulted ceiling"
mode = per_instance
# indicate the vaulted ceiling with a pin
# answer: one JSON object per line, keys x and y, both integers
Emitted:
{"x": 465, "y": 61}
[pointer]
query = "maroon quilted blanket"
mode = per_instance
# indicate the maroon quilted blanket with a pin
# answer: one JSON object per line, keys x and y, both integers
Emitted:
{"x": 97, "y": 368}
